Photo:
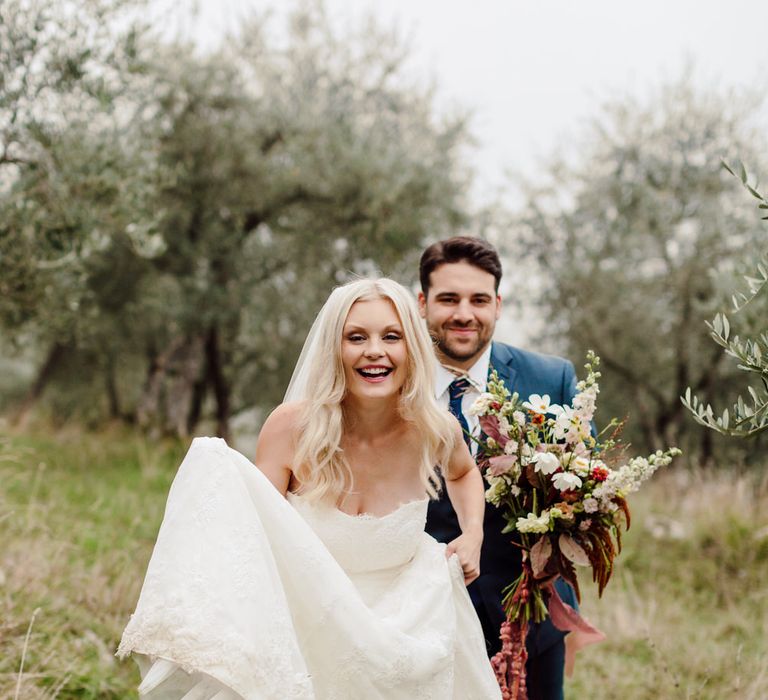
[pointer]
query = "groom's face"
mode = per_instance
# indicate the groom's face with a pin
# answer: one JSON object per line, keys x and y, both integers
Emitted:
{"x": 461, "y": 308}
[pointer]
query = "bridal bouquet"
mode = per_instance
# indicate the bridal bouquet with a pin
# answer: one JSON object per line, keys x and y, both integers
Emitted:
{"x": 564, "y": 492}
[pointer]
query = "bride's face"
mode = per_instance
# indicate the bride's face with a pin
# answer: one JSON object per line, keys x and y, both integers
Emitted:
{"x": 373, "y": 350}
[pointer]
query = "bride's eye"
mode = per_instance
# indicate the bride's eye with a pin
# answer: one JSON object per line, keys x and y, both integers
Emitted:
{"x": 393, "y": 337}
{"x": 355, "y": 337}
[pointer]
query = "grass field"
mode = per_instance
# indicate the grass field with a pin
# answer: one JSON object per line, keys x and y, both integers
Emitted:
{"x": 686, "y": 614}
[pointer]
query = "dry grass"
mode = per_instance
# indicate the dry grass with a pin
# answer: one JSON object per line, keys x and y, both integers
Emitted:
{"x": 78, "y": 516}
{"x": 686, "y": 614}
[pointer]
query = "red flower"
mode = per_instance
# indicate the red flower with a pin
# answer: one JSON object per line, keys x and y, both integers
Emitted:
{"x": 599, "y": 473}
{"x": 537, "y": 419}
{"x": 495, "y": 405}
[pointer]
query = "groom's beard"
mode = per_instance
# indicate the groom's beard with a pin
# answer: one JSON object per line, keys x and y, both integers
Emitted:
{"x": 455, "y": 349}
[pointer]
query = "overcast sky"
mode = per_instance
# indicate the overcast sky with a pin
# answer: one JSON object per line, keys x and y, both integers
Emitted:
{"x": 533, "y": 72}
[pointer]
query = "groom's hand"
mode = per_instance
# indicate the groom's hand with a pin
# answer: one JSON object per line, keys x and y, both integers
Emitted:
{"x": 467, "y": 548}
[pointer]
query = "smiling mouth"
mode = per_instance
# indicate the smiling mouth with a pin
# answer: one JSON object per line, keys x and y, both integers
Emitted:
{"x": 375, "y": 373}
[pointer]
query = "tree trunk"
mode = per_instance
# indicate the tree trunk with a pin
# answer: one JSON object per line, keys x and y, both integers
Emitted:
{"x": 221, "y": 391}
{"x": 113, "y": 395}
{"x": 196, "y": 404}
{"x": 170, "y": 391}
{"x": 44, "y": 375}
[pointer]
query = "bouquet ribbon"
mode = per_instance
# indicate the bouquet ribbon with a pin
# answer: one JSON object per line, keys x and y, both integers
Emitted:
{"x": 566, "y": 619}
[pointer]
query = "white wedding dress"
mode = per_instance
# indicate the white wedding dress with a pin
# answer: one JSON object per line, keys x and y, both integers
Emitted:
{"x": 249, "y": 595}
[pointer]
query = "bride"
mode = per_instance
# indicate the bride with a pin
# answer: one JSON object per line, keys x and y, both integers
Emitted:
{"x": 311, "y": 577}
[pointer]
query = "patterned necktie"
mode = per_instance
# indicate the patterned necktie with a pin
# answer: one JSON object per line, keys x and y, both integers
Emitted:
{"x": 456, "y": 390}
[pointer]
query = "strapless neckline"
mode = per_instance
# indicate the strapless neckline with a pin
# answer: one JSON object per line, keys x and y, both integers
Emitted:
{"x": 362, "y": 516}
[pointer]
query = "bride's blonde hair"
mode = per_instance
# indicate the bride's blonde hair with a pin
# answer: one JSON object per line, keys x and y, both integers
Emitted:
{"x": 319, "y": 464}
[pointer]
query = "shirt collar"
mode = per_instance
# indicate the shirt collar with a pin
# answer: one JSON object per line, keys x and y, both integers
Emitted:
{"x": 477, "y": 374}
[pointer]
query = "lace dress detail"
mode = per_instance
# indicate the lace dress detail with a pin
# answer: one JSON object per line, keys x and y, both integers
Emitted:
{"x": 249, "y": 595}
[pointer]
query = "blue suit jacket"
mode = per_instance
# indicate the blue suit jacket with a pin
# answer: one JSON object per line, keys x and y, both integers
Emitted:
{"x": 526, "y": 373}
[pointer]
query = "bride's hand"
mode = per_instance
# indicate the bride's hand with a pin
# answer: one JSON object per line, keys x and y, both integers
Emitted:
{"x": 467, "y": 548}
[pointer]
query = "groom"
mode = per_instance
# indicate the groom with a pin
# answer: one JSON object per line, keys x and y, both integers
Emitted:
{"x": 460, "y": 301}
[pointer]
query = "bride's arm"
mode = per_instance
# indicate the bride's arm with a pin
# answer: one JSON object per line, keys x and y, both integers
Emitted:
{"x": 466, "y": 490}
{"x": 275, "y": 448}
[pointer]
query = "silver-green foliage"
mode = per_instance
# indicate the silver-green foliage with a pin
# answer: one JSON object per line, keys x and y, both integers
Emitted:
{"x": 747, "y": 417}
{"x": 174, "y": 238}
{"x": 629, "y": 237}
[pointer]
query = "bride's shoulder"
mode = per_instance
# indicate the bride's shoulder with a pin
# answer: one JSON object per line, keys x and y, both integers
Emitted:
{"x": 282, "y": 423}
{"x": 285, "y": 415}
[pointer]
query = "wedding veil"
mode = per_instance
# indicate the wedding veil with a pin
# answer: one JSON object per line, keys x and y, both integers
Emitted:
{"x": 310, "y": 356}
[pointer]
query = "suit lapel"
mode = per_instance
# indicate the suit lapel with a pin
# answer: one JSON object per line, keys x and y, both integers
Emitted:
{"x": 503, "y": 362}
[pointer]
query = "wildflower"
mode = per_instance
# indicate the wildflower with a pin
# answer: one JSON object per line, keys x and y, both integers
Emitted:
{"x": 538, "y": 404}
{"x": 599, "y": 473}
{"x": 519, "y": 418}
{"x": 533, "y": 523}
{"x": 578, "y": 465}
{"x": 566, "y": 481}
{"x": 496, "y": 491}
{"x": 546, "y": 462}
{"x": 565, "y": 510}
{"x": 590, "y": 505}
{"x": 511, "y": 448}
{"x": 481, "y": 404}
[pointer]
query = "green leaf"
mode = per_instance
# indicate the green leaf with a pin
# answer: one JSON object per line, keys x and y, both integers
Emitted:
{"x": 754, "y": 192}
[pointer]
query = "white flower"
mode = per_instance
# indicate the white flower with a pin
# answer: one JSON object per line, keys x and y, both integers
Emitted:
{"x": 481, "y": 404}
{"x": 585, "y": 524}
{"x": 590, "y": 505}
{"x": 584, "y": 403}
{"x": 504, "y": 425}
{"x": 519, "y": 418}
{"x": 526, "y": 454}
{"x": 515, "y": 490}
{"x": 533, "y": 523}
{"x": 546, "y": 462}
{"x": 540, "y": 404}
{"x": 510, "y": 448}
{"x": 628, "y": 478}
{"x": 496, "y": 491}
{"x": 570, "y": 426}
{"x": 565, "y": 481}
{"x": 563, "y": 422}
{"x": 579, "y": 465}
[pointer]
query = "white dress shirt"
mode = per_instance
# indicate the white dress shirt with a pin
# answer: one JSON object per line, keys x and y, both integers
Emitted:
{"x": 478, "y": 377}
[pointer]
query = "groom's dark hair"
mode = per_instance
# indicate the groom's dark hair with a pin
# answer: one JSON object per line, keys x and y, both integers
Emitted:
{"x": 475, "y": 251}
